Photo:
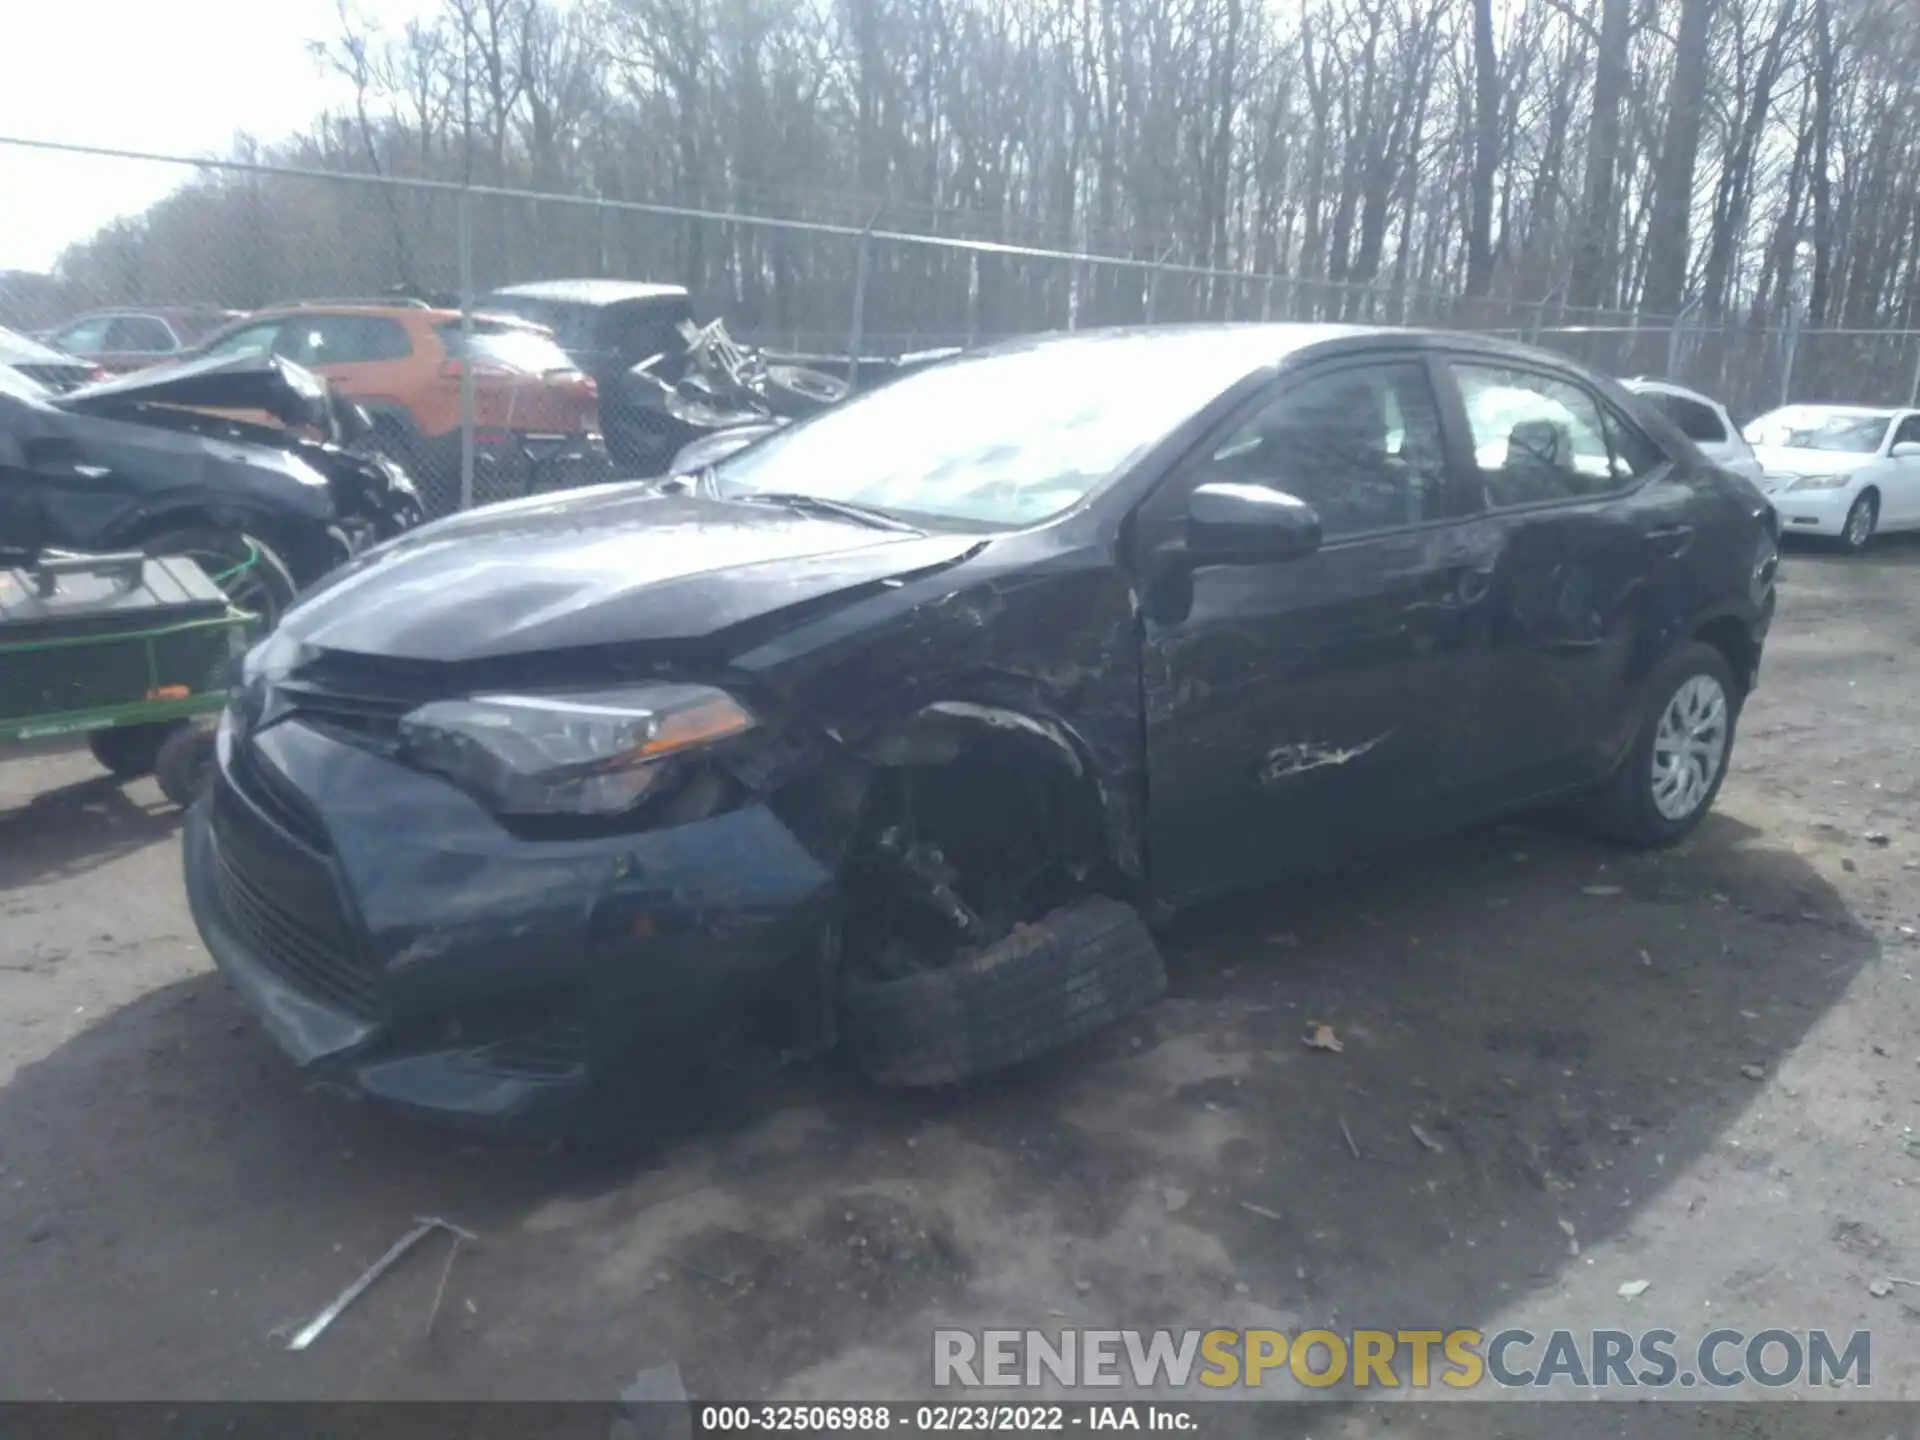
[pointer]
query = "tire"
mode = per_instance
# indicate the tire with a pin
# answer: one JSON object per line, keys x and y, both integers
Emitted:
{"x": 127, "y": 752}
{"x": 184, "y": 764}
{"x": 248, "y": 569}
{"x": 1863, "y": 518}
{"x": 1074, "y": 972}
{"x": 795, "y": 391}
{"x": 1629, "y": 806}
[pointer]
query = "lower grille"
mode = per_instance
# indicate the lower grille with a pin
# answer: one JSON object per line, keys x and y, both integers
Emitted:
{"x": 552, "y": 1051}
{"x": 285, "y": 806}
{"x": 312, "y": 962}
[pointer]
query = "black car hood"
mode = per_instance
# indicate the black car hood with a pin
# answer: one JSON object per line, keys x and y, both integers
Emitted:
{"x": 291, "y": 394}
{"x": 613, "y": 565}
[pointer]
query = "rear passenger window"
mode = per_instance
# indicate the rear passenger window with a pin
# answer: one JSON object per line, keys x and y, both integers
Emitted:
{"x": 343, "y": 339}
{"x": 1697, "y": 422}
{"x": 1539, "y": 439}
{"x": 140, "y": 335}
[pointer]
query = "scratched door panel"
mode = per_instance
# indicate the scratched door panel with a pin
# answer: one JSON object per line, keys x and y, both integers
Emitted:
{"x": 1302, "y": 711}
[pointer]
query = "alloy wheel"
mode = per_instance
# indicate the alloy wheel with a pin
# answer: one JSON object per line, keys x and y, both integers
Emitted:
{"x": 1860, "y": 523}
{"x": 1689, "y": 747}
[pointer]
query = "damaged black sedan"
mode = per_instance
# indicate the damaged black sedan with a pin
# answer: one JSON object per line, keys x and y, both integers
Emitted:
{"x": 895, "y": 726}
{"x": 252, "y": 466}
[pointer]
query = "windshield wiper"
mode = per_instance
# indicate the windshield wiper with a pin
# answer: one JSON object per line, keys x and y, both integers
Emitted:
{"x": 821, "y": 505}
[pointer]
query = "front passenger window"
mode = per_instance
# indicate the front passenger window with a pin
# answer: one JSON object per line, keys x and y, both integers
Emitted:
{"x": 1537, "y": 439}
{"x": 1361, "y": 445}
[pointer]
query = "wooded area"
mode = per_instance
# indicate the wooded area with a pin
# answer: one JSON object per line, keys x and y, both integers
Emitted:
{"x": 1568, "y": 159}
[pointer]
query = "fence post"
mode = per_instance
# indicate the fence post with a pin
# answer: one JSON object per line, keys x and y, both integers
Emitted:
{"x": 859, "y": 300}
{"x": 466, "y": 348}
{"x": 1790, "y": 342}
{"x": 1913, "y": 397}
{"x": 973, "y": 296}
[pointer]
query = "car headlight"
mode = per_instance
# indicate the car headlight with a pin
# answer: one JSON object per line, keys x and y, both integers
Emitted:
{"x": 1821, "y": 482}
{"x": 581, "y": 753}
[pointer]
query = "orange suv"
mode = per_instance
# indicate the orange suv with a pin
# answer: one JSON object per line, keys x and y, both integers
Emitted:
{"x": 536, "y": 415}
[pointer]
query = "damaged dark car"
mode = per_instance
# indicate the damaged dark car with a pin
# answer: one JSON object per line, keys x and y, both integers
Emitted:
{"x": 899, "y": 726}
{"x": 251, "y": 466}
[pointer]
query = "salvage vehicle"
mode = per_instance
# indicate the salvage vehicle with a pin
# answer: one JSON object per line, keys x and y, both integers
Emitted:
{"x": 665, "y": 379}
{"x": 536, "y": 415}
{"x": 165, "y": 461}
{"x": 903, "y": 723}
{"x": 1843, "y": 472}
{"x": 44, "y": 365}
{"x": 1703, "y": 420}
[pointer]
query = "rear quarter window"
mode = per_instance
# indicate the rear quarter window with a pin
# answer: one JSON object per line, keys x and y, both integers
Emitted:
{"x": 528, "y": 351}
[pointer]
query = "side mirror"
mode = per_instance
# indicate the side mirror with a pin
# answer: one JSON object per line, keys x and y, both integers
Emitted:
{"x": 1906, "y": 450}
{"x": 1238, "y": 524}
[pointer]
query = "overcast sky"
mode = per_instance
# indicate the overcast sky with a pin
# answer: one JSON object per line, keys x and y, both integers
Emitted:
{"x": 174, "y": 76}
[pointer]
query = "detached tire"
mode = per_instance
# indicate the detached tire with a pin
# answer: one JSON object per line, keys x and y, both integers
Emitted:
{"x": 1663, "y": 787}
{"x": 1077, "y": 971}
{"x": 796, "y": 391}
{"x": 184, "y": 763}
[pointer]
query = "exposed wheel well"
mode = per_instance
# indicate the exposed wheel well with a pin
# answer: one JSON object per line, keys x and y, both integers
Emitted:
{"x": 995, "y": 822}
{"x": 1735, "y": 641}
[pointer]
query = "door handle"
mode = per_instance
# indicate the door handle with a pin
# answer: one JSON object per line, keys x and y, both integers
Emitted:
{"x": 1671, "y": 540}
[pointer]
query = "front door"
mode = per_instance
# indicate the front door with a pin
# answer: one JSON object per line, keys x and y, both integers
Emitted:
{"x": 1300, "y": 711}
{"x": 1900, "y": 505}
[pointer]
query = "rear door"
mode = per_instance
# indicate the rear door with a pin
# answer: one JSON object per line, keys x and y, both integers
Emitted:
{"x": 1586, "y": 527}
{"x": 1303, "y": 710}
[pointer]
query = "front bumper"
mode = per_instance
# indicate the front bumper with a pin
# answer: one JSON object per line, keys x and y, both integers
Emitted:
{"x": 1812, "y": 512}
{"x": 400, "y": 945}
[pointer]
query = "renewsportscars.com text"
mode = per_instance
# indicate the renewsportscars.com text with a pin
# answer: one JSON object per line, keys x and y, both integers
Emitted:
{"x": 1394, "y": 1359}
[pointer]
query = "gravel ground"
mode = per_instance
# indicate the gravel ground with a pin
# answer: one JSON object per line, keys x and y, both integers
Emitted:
{"x": 1697, "y": 1068}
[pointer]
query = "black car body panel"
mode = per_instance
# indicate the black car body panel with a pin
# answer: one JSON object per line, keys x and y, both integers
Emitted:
{"x": 657, "y": 568}
{"x": 114, "y": 462}
{"x": 1216, "y": 721}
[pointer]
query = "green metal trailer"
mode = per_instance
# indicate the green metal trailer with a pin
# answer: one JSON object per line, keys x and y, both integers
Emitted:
{"x": 126, "y": 651}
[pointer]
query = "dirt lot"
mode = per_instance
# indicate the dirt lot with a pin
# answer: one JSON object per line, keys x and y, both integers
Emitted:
{"x": 1578, "y": 1032}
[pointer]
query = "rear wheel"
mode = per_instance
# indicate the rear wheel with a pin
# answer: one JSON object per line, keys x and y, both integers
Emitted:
{"x": 1673, "y": 770}
{"x": 1863, "y": 518}
{"x": 247, "y": 570}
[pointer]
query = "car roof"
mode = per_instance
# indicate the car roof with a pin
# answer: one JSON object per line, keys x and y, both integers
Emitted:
{"x": 592, "y": 292}
{"x": 1653, "y": 384}
{"x": 1271, "y": 342}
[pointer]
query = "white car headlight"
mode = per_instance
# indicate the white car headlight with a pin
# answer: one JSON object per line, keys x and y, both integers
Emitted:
{"x": 1821, "y": 482}
{"x": 581, "y": 753}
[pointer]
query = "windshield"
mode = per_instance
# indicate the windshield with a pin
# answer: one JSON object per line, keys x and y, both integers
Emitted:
{"x": 1799, "y": 427}
{"x": 1003, "y": 440}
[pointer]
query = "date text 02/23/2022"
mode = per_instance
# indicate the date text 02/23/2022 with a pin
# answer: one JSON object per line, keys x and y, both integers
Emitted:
{"x": 941, "y": 1419}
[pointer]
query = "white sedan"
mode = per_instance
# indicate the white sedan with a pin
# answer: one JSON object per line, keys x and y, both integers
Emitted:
{"x": 1842, "y": 471}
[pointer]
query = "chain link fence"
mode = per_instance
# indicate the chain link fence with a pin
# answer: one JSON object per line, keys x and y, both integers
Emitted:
{"x": 388, "y": 285}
